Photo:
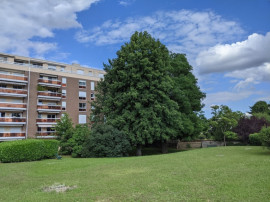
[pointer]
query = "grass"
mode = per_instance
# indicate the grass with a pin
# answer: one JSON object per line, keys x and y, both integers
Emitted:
{"x": 210, "y": 174}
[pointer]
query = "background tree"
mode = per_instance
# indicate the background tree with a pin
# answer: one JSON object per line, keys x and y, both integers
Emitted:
{"x": 186, "y": 93}
{"x": 134, "y": 96}
{"x": 249, "y": 125}
{"x": 260, "y": 107}
{"x": 223, "y": 121}
{"x": 64, "y": 131}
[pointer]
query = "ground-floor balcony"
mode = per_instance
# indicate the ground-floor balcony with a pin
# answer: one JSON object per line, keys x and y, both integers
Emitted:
{"x": 12, "y": 106}
{"x": 11, "y": 136}
{"x": 46, "y": 95}
{"x": 10, "y": 92}
{"x": 10, "y": 121}
{"x": 46, "y": 134}
{"x": 45, "y": 121}
{"x": 49, "y": 108}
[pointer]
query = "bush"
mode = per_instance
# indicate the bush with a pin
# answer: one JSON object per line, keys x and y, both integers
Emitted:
{"x": 231, "y": 136}
{"x": 265, "y": 136}
{"x": 254, "y": 139}
{"x": 79, "y": 137}
{"x": 51, "y": 148}
{"x": 22, "y": 150}
{"x": 106, "y": 141}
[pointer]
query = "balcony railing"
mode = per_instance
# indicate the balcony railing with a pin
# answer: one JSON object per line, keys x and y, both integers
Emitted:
{"x": 21, "y": 134}
{"x": 49, "y": 107}
{"x": 10, "y": 77}
{"x": 46, "y": 133}
{"x": 4, "y": 105}
{"x": 48, "y": 81}
{"x": 47, "y": 120}
{"x": 96, "y": 75}
{"x": 19, "y": 92}
{"x": 12, "y": 119}
{"x": 49, "y": 94}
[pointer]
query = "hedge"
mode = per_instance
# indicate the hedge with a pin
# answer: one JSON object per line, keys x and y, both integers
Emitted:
{"x": 254, "y": 139}
{"x": 27, "y": 150}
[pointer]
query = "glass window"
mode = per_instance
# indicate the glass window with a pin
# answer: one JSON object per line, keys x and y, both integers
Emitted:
{"x": 101, "y": 75}
{"x": 64, "y": 80}
{"x": 64, "y": 92}
{"x": 2, "y": 114}
{"x": 79, "y": 71}
{"x": 90, "y": 73}
{"x": 82, "y": 95}
{"x": 92, "y": 85}
{"x": 64, "y": 105}
{"x": 92, "y": 96}
{"x": 16, "y": 115}
{"x": 82, "y": 106}
{"x": 51, "y": 67}
{"x": 82, "y": 84}
{"x": 82, "y": 119}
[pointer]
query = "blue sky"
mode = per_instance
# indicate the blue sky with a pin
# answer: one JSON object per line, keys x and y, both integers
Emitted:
{"x": 226, "y": 41}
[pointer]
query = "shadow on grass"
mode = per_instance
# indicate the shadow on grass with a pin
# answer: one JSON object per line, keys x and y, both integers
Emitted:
{"x": 147, "y": 151}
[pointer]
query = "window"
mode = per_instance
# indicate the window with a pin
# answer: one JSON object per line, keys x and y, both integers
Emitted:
{"x": 3, "y": 59}
{"x": 64, "y": 106}
{"x": 2, "y": 129}
{"x": 50, "y": 129}
{"x": 2, "y": 114}
{"x": 92, "y": 107}
{"x": 82, "y": 119}
{"x": 16, "y": 115}
{"x": 64, "y": 93}
{"x": 92, "y": 96}
{"x": 79, "y": 71}
{"x": 51, "y": 116}
{"x": 17, "y": 87}
{"x": 3, "y": 85}
{"x": 64, "y": 80}
{"x": 101, "y": 75}
{"x": 82, "y": 107}
{"x": 92, "y": 85}
{"x": 90, "y": 73}
{"x": 62, "y": 69}
{"x": 82, "y": 84}
{"x": 39, "y": 116}
{"x": 15, "y": 129}
{"x": 82, "y": 95}
{"x": 51, "y": 67}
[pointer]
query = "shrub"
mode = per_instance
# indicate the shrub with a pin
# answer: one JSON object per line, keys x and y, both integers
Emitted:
{"x": 51, "y": 148}
{"x": 106, "y": 141}
{"x": 79, "y": 137}
{"x": 22, "y": 150}
{"x": 64, "y": 131}
{"x": 254, "y": 139}
{"x": 231, "y": 135}
{"x": 265, "y": 136}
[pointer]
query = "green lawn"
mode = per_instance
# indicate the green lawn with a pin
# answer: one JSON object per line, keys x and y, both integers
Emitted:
{"x": 210, "y": 174}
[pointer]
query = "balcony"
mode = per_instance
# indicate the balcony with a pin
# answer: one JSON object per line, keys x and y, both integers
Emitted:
{"x": 13, "y": 78}
{"x": 49, "y": 108}
{"x": 12, "y": 136}
{"x": 49, "y": 82}
{"x": 46, "y": 134}
{"x": 46, "y": 95}
{"x": 13, "y": 92}
{"x": 47, "y": 120}
{"x": 12, "y": 121}
{"x": 12, "y": 106}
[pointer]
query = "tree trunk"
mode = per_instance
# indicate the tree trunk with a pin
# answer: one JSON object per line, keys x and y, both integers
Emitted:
{"x": 224, "y": 140}
{"x": 139, "y": 150}
{"x": 164, "y": 147}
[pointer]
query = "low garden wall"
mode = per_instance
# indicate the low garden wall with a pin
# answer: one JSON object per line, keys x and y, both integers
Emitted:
{"x": 198, "y": 144}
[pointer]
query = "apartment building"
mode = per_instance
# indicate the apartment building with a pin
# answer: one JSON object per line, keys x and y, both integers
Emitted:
{"x": 35, "y": 93}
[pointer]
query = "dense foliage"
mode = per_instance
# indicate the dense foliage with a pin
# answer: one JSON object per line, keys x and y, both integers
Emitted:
{"x": 81, "y": 133}
{"x": 223, "y": 121}
{"x": 255, "y": 139}
{"x": 249, "y": 125}
{"x": 27, "y": 150}
{"x": 64, "y": 131}
{"x": 265, "y": 136}
{"x": 105, "y": 141}
{"x": 142, "y": 94}
{"x": 260, "y": 107}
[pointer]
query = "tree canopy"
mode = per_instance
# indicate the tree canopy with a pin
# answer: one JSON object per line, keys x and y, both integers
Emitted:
{"x": 260, "y": 107}
{"x": 148, "y": 93}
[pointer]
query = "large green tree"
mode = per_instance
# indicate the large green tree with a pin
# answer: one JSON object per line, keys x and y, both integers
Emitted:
{"x": 187, "y": 94}
{"x": 134, "y": 97}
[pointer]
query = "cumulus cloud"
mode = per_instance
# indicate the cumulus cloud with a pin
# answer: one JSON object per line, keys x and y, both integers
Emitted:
{"x": 126, "y": 2}
{"x": 21, "y": 21}
{"x": 251, "y": 53}
{"x": 184, "y": 31}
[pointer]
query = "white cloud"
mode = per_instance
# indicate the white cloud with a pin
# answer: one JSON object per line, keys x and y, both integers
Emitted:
{"x": 250, "y": 53}
{"x": 251, "y": 76}
{"x": 225, "y": 97}
{"x": 21, "y": 21}
{"x": 126, "y": 2}
{"x": 182, "y": 31}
